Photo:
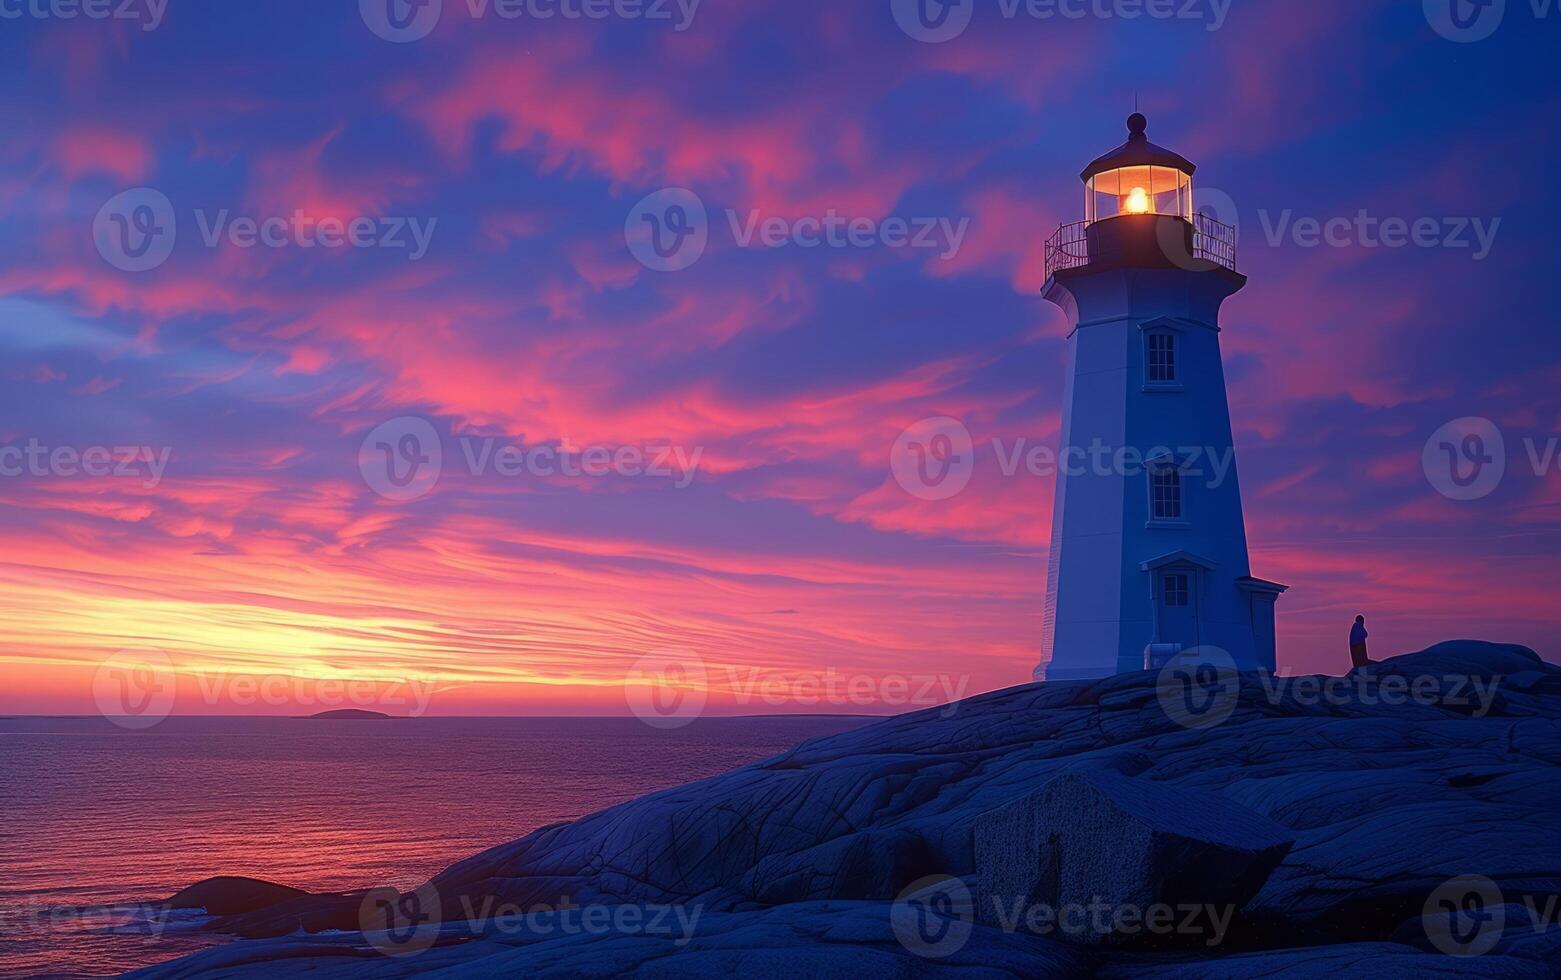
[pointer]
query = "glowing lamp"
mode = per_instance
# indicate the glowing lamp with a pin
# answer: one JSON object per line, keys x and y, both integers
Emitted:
{"x": 1138, "y": 177}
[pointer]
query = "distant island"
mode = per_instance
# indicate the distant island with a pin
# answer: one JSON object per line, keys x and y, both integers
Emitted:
{"x": 350, "y": 714}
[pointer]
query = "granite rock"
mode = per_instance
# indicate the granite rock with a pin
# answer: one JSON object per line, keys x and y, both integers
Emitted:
{"x": 1390, "y": 781}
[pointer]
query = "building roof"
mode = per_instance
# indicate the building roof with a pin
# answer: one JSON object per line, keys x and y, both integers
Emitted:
{"x": 1138, "y": 152}
{"x": 1250, "y": 584}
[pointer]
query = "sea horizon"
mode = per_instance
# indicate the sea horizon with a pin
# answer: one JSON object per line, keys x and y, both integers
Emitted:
{"x": 104, "y": 820}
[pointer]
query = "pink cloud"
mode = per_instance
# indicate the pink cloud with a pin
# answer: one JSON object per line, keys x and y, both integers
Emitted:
{"x": 103, "y": 151}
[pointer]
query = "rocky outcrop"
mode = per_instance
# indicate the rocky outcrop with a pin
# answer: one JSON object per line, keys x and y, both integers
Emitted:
{"x": 1132, "y": 844}
{"x": 1390, "y": 782}
{"x": 232, "y": 895}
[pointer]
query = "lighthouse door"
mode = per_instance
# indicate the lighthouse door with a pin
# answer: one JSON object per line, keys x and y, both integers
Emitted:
{"x": 1178, "y": 601}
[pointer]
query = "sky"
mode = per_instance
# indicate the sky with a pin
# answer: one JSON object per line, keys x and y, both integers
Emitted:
{"x": 689, "y": 455}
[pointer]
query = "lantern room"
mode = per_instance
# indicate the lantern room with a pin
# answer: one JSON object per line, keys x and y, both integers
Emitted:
{"x": 1138, "y": 177}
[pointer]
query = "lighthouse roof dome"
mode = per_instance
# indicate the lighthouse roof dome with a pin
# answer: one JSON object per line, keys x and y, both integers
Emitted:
{"x": 1138, "y": 152}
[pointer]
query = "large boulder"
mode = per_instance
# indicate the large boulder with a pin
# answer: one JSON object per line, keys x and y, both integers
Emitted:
{"x": 1098, "y": 839}
{"x": 232, "y": 895}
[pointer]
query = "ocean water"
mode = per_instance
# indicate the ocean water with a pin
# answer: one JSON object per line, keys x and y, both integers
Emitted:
{"x": 95, "y": 819}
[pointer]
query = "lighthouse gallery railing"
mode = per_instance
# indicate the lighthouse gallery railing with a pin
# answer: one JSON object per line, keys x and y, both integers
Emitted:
{"x": 1212, "y": 240}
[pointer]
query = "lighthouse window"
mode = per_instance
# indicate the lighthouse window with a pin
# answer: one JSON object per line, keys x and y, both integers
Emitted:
{"x": 1165, "y": 494}
{"x": 1162, "y": 358}
{"x": 1176, "y": 591}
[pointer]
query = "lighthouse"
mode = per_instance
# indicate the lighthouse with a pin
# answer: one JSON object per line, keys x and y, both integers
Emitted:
{"x": 1148, "y": 548}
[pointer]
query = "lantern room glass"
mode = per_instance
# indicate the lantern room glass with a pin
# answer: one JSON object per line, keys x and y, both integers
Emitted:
{"x": 1138, "y": 190}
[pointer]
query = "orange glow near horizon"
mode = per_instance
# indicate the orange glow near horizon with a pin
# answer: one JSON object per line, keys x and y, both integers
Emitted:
{"x": 451, "y": 613}
{"x": 262, "y": 553}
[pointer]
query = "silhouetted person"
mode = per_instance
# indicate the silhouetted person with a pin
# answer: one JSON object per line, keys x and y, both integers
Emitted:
{"x": 1358, "y": 642}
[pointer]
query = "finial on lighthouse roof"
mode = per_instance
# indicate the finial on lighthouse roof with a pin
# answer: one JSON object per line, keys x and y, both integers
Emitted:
{"x": 1138, "y": 152}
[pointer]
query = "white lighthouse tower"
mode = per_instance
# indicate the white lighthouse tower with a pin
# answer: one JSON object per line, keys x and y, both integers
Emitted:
{"x": 1148, "y": 548}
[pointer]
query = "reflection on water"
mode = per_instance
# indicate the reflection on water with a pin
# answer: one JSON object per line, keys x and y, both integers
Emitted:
{"x": 97, "y": 819}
